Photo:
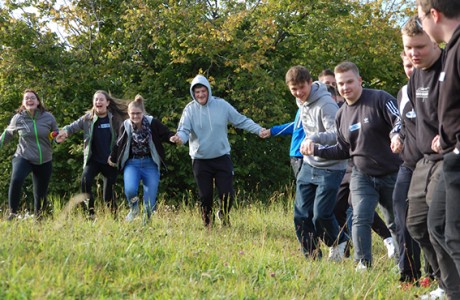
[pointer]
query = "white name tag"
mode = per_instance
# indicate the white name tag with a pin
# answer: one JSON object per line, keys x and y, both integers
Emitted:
{"x": 442, "y": 76}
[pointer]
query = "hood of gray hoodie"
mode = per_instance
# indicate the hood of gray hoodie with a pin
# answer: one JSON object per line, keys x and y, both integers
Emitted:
{"x": 200, "y": 79}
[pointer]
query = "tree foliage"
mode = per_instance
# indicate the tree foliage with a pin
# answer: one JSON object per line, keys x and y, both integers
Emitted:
{"x": 155, "y": 48}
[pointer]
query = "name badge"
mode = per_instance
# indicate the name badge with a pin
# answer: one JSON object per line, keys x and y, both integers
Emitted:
{"x": 355, "y": 127}
{"x": 442, "y": 76}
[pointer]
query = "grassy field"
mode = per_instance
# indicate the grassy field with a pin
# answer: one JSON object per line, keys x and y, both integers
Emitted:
{"x": 174, "y": 257}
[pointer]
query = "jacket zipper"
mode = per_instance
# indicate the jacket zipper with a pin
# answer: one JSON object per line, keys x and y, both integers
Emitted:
{"x": 36, "y": 139}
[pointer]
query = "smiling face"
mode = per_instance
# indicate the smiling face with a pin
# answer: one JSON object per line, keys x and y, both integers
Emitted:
{"x": 30, "y": 101}
{"x": 100, "y": 104}
{"x": 349, "y": 86}
{"x": 201, "y": 94}
{"x": 300, "y": 90}
{"x": 135, "y": 115}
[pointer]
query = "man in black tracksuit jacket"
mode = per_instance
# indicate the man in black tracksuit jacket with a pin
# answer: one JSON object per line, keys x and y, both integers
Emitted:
{"x": 364, "y": 125}
{"x": 442, "y": 23}
{"x": 426, "y": 208}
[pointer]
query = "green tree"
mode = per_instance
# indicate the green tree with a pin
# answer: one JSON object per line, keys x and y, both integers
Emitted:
{"x": 155, "y": 48}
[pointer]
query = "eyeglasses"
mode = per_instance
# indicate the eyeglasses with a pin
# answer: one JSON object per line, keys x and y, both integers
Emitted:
{"x": 419, "y": 21}
{"x": 30, "y": 98}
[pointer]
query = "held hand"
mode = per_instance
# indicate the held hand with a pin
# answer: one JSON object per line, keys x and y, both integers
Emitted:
{"x": 436, "y": 144}
{"x": 109, "y": 161}
{"x": 62, "y": 135}
{"x": 396, "y": 144}
{"x": 265, "y": 133}
{"x": 307, "y": 147}
{"x": 176, "y": 139}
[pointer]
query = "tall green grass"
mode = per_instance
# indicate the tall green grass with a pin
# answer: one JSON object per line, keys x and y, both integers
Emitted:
{"x": 67, "y": 256}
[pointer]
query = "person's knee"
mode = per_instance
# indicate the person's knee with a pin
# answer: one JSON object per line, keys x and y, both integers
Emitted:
{"x": 130, "y": 192}
{"x": 418, "y": 231}
{"x": 362, "y": 218}
{"x": 16, "y": 180}
{"x": 452, "y": 236}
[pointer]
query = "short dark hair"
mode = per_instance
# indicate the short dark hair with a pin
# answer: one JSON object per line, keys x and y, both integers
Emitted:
{"x": 198, "y": 85}
{"x": 450, "y": 8}
{"x": 298, "y": 74}
{"x": 326, "y": 72}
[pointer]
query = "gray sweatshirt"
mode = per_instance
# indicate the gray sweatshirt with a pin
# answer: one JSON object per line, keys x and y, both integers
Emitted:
{"x": 318, "y": 120}
{"x": 206, "y": 126}
{"x": 34, "y": 142}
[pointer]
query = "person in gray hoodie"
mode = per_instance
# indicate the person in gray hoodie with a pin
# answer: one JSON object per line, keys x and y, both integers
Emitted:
{"x": 204, "y": 124}
{"x": 35, "y": 127}
{"x": 319, "y": 179}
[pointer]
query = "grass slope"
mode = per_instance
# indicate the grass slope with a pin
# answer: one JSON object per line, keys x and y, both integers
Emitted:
{"x": 174, "y": 257}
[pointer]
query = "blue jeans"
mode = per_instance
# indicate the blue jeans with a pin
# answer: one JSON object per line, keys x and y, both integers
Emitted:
{"x": 145, "y": 169}
{"x": 316, "y": 192}
{"x": 366, "y": 193}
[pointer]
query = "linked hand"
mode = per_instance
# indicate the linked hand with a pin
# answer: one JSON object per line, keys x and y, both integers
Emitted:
{"x": 265, "y": 133}
{"x": 396, "y": 144}
{"x": 436, "y": 144}
{"x": 62, "y": 136}
{"x": 176, "y": 139}
{"x": 109, "y": 161}
{"x": 307, "y": 147}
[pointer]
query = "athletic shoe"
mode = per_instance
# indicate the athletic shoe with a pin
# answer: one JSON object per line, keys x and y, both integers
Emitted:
{"x": 390, "y": 247}
{"x": 361, "y": 267}
{"x": 337, "y": 253}
{"x": 133, "y": 212}
{"x": 434, "y": 295}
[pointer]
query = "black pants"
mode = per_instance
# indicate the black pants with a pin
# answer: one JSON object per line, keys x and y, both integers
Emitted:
{"x": 217, "y": 170}
{"x": 296, "y": 164}
{"x": 91, "y": 170}
{"x": 409, "y": 251}
{"x": 41, "y": 175}
{"x": 425, "y": 216}
{"x": 437, "y": 227}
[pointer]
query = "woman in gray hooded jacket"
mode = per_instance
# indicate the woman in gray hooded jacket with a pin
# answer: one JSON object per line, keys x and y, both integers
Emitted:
{"x": 35, "y": 127}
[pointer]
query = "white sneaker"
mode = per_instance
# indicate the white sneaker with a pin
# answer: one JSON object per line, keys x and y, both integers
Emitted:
{"x": 133, "y": 212}
{"x": 390, "y": 247}
{"x": 337, "y": 253}
{"x": 361, "y": 267}
{"x": 434, "y": 295}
